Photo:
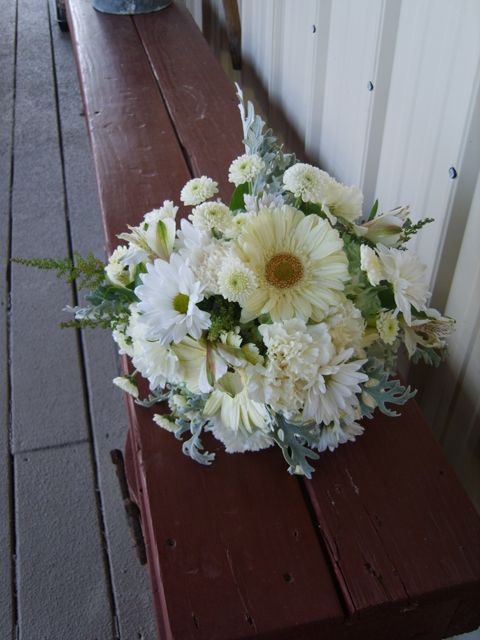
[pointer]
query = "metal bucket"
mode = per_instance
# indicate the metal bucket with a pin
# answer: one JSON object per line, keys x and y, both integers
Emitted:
{"x": 130, "y": 7}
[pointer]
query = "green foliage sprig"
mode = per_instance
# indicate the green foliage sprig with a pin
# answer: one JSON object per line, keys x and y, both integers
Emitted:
{"x": 88, "y": 272}
{"x": 410, "y": 229}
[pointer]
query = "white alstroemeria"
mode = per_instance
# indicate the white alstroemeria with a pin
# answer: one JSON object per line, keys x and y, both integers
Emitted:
{"x": 125, "y": 383}
{"x": 384, "y": 229}
{"x": 295, "y": 351}
{"x": 200, "y": 364}
{"x": 337, "y": 433}
{"x": 235, "y": 419}
{"x": 370, "y": 263}
{"x": 340, "y": 201}
{"x": 119, "y": 273}
{"x": 198, "y": 190}
{"x": 168, "y": 210}
{"x": 236, "y": 281}
{"x": 387, "y": 326}
{"x": 210, "y": 216}
{"x": 431, "y": 331}
{"x": 334, "y": 389}
{"x": 149, "y": 241}
{"x": 305, "y": 181}
{"x": 407, "y": 275}
{"x": 245, "y": 168}
{"x": 168, "y": 301}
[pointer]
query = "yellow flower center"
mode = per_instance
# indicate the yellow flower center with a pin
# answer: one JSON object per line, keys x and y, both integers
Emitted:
{"x": 180, "y": 303}
{"x": 283, "y": 271}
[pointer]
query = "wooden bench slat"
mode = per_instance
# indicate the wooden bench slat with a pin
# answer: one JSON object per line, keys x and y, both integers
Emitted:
{"x": 398, "y": 524}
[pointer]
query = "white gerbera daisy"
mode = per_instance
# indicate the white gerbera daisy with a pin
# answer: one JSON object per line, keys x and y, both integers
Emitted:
{"x": 236, "y": 281}
{"x": 211, "y": 215}
{"x": 298, "y": 262}
{"x": 168, "y": 301}
{"x": 245, "y": 168}
{"x": 235, "y": 419}
{"x": 198, "y": 190}
{"x": 335, "y": 388}
{"x": 125, "y": 383}
{"x": 407, "y": 275}
{"x": 387, "y": 326}
{"x": 370, "y": 263}
{"x": 305, "y": 181}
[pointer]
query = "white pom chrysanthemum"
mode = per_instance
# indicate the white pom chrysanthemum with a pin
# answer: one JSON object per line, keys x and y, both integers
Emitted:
{"x": 198, "y": 190}
{"x": 211, "y": 215}
{"x": 407, "y": 275}
{"x": 168, "y": 301}
{"x": 236, "y": 281}
{"x": 245, "y": 168}
{"x": 305, "y": 181}
{"x": 126, "y": 384}
{"x": 387, "y": 326}
{"x": 370, "y": 263}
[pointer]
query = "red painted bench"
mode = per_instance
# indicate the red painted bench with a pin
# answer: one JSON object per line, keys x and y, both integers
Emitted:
{"x": 383, "y": 542}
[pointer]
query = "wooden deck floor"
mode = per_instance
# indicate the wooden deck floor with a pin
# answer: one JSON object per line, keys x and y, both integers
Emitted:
{"x": 68, "y": 568}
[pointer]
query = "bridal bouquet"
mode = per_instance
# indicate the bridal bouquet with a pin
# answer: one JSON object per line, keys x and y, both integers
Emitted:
{"x": 274, "y": 319}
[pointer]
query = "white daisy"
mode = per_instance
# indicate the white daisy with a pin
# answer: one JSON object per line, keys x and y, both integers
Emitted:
{"x": 245, "y": 168}
{"x": 198, "y": 190}
{"x": 168, "y": 301}
{"x": 235, "y": 419}
{"x": 305, "y": 181}
{"x": 298, "y": 262}
{"x": 335, "y": 388}
{"x": 407, "y": 275}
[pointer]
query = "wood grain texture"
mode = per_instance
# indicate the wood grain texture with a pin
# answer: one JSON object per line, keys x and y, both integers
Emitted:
{"x": 399, "y": 527}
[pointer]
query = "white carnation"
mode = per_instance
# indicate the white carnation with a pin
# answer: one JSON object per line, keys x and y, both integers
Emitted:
{"x": 245, "y": 169}
{"x": 198, "y": 190}
{"x": 341, "y": 201}
{"x": 346, "y": 327}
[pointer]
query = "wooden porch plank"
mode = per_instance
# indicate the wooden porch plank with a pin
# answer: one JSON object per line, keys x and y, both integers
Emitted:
{"x": 61, "y": 577}
{"x": 224, "y": 561}
{"x": 49, "y": 379}
{"x": 417, "y": 535}
{"x": 7, "y": 76}
{"x": 200, "y": 99}
{"x": 132, "y": 597}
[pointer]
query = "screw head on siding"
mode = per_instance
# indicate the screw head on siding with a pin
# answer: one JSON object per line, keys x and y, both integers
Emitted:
{"x": 370, "y": 85}
{"x": 452, "y": 172}
{"x": 314, "y": 29}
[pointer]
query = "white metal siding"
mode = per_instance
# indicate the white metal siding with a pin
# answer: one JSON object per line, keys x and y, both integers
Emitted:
{"x": 310, "y": 63}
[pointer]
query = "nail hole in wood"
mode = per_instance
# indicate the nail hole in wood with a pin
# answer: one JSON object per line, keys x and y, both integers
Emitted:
{"x": 288, "y": 578}
{"x": 296, "y": 535}
{"x": 249, "y": 619}
{"x": 195, "y": 620}
{"x": 170, "y": 542}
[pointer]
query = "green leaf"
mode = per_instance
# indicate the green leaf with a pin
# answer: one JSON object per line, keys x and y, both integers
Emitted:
{"x": 373, "y": 211}
{"x": 237, "y": 202}
{"x": 294, "y": 440}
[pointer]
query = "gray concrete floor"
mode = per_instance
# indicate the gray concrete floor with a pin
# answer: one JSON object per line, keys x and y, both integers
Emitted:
{"x": 68, "y": 567}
